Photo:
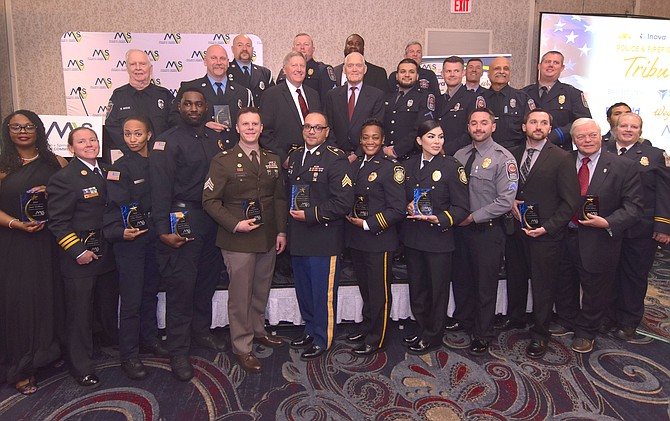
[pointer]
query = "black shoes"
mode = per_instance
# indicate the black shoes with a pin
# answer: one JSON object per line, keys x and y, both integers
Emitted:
{"x": 89, "y": 380}
{"x": 210, "y": 342}
{"x": 355, "y": 338}
{"x": 182, "y": 369}
{"x": 156, "y": 348}
{"x": 315, "y": 351}
{"x": 302, "y": 341}
{"x": 423, "y": 346}
{"x": 453, "y": 326}
{"x": 364, "y": 350}
{"x": 134, "y": 369}
{"x": 411, "y": 339}
{"x": 478, "y": 347}
{"x": 507, "y": 324}
{"x": 537, "y": 348}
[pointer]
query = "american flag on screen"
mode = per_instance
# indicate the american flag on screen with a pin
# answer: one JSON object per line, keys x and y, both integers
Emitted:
{"x": 571, "y": 35}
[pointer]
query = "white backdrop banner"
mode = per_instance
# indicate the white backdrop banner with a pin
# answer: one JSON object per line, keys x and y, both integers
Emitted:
{"x": 94, "y": 63}
{"x": 58, "y": 128}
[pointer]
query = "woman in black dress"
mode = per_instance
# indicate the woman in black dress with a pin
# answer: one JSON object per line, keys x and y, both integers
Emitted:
{"x": 29, "y": 279}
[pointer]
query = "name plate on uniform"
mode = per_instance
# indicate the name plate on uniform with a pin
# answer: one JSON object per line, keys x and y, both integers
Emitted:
{"x": 222, "y": 114}
{"x": 422, "y": 203}
{"x": 34, "y": 207}
{"x": 179, "y": 224}
{"x": 92, "y": 241}
{"x": 361, "y": 206}
{"x": 252, "y": 209}
{"x": 590, "y": 207}
{"x": 300, "y": 197}
{"x": 530, "y": 216}
{"x": 133, "y": 217}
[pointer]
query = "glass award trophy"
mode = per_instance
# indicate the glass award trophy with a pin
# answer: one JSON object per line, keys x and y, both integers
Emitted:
{"x": 361, "y": 206}
{"x": 34, "y": 206}
{"x": 133, "y": 217}
{"x": 300, "y": 197}
{"x": 530, "y": 216}
{"x": 179, "y": 224}
{"x": 252, "y": 209}
{"x": 422, "y": 202}
{"x": 92, "y": 241}
{"x": 590, "y": 207}
{"x": 222, "y": 114}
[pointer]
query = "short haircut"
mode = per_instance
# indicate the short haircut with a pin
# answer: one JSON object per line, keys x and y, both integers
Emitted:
{"x": 181, "y": 93}
{"x": 483, "y": 110}
{"x": 373, "y": 121}
{"x": 407, "y": 60}
{"x": 553, "y": 52}
{"x": 70, "y": 137}
{"x": 617, "y": 104}
{"x": 537, "y": 110}
{"x": 137, "y": 50}
{"x": 453, "y": 59}
{"x": 290, "y": 55}
{"x": 250, "y": 110}
{"x": 582, "y": 121}
{"x": 141, "y": 118}
{"x": 325, "y": 117}
{"x": 409, "y": 44}
{"x": 475, "y": 59}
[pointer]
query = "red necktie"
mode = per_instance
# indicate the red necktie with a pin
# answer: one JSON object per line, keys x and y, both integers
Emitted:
{"x": 303, "y": 105}
{"x": 352, "y": 102}
{"x": 583, "y": 177}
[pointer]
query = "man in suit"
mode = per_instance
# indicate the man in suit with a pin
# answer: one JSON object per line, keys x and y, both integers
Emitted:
{"x": 474, "y": 70}
{"x": 219, "y": 91}
{"x": 548, "y": 187}
{"x": 455, "y": 106}
{"x": 244, "y": 193}
{"x": 375, "y": 75}
{"x": 322, "y": 194}
{"x": 564, "y": 102}
{"x": 612, "y": 202}
{"x": 243, "y": 71}
{"x": 639, "y": 247}
{"x": 347, "y": 106}
{"x": 427, "y": 79}
{"x": 283, "y": 114}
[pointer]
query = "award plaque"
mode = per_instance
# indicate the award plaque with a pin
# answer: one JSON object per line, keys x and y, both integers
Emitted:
{"x": 133, "y": 217}
{"x": 530, "y": 216}
{"x": 179, "y": 224}
{"x": 92, "y": 241}
{"x": 300, "y": 197}
{"x": 252, "y": 209}
{"x": 590, "y": 207}
{"x": 422, "y": 202}
{"x": 34, "y": 207}
{"x": 361, "y": 206}
{"x": 222, "y": 114}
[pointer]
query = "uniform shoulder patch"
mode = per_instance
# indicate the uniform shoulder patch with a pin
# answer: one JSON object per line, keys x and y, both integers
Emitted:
{"x": 160, "y": 145}
{"x": 209, "y": 184}
{"x": 399, "y": 174}
{"x": 346, "y": 181}
{"x": 531, "y": 104}
{"x": 335, "y": 150}
{"x": 584, "y": 100}
{"x": 462, "y": 177}
{"x": 331, "y": 73}
{"x": 512, "y": 170}
{"x": 667, "y": 159}
{"x": 481, "y": 102}
{"x": 113, "y": 175}
{"x": 110, "y": 105}
{"x": 430, "y": 103}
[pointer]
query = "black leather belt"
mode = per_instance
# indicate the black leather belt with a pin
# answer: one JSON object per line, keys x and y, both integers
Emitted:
{"x": 186, "y": 204}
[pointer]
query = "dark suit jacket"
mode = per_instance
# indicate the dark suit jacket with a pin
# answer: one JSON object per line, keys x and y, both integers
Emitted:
{"x": 374, "y": 76}
{"x": 282, "y": 127}
{"x": 260, "y": 80}
{"x": 552, "y": 184}
{"x": 347, "y": 134}
{"x": 617, "y": 184}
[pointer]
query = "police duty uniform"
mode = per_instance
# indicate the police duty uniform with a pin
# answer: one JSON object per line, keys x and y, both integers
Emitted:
{"x": 316, "y": 243}
{"x": 480, "y": 245}
{"x": 379, "y": 189}
{"x": 403, "y": 113}
{"x": 427, "y": 82}
{"x": 257, "y": 81}
{"x": 510, "y": 107}
{"x": 318, "y": 76}
{"x": 452, "y": 114}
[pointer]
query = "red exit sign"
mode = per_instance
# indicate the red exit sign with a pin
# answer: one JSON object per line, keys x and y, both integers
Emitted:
{"x": 461, "y": 6}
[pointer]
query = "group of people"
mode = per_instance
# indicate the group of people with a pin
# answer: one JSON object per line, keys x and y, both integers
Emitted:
{"x": 331, "y": 158}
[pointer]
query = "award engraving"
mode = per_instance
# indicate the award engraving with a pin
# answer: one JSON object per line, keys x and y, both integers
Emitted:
{"x": 133, "y": 217}
{"x": 252, "y": 209}
{"x": 222, "y": 114}
{"x": 590, "y": 207}
{"x": 361, "y": 206}
{"x": 300, "y": 197}
{"x": 179, "y": 224}
{"x": 422, "y": 202}
{"x": 34, "y": 207}
{"x": 530, "y": 216}
{"x": 92, "y": 241}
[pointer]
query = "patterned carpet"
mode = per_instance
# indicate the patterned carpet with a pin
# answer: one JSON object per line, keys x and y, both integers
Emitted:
{"x": 617, "y": 381}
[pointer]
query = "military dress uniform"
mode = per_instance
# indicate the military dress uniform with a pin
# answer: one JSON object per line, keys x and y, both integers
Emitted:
{"x": 566, "y": 104}
{"x": 232, "y": 182}
{"x": 128, "y": 184}
{"x": 153, "y": 102}
{"x": 318, "y": 76}
{"x": 428, "y": 246}
{"x": 77, "y": 197}
{"x": 379, "y": 185}
{"x": 452, "y": 114}
{"x": 510, "y": 107}
{"x": 639, "y": 248}
{"x": 316, "y": 243}
{"x": 178, "y": 165}
{"x": 427, "y": 82}
{"x": 403, "y": 113}
{"x": 258, "y": 80}
{"x": 493, "y": 180}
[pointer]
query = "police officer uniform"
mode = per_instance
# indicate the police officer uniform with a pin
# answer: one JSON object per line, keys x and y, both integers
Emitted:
{"x": 128, "y": 184}
{"x": 316, "y": 243}
{"x": 379, "y": 189}
{"x": 153, "y": 102}
{"x": 429, "y": 247}
{"x": 510, "y": 107}
{"x": 480, "y": 245}
{"x": 77, "y": 197}
{"x": 452, "y": 114}
{"x": 178, "y": 165}
{"x": 427, "y": 81}
{"x": 403, "y": 112}
{"x": 318, "y": 76}
{"x": 258, "y": 80}
{"x": 565, "y": 103}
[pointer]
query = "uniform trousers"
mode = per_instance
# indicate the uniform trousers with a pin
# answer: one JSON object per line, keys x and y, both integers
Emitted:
{"x": 190, "y": 274}
{"x": 316, "y": 282}
{"x": 428, "y": 276}
{"x": 374, "y": 274}
{"x": 83, "y": 297}
{"x": 138, "y": 286}
{"x": 250, "y": 279}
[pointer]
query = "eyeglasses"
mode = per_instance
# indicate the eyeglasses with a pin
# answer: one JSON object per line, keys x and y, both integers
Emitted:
{"x": 592, "y": 136}
{"x": 317, "y": 129}
{"x": 16, "y": 128}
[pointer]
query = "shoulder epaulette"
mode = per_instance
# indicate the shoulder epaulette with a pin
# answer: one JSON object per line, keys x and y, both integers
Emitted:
{"x": 335, "y": 151}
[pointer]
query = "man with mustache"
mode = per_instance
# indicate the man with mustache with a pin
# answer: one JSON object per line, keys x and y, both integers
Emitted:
{"x": 243, "y": 70}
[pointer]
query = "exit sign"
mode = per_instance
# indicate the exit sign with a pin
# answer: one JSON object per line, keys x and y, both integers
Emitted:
{"x": 461, "y": 6}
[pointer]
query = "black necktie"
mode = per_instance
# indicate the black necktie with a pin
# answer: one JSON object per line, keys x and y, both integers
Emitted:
{"x": 525, "y": 168}
{"x": 219, "y": 90}
{"x": 468, "y": 164}
{"x": 245, "y": 70}
{"x": 306, "y": 158}
{"x": 622, "y": 151}
{"x": 97, "y": 172}
{"x": 543, "y": 91}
